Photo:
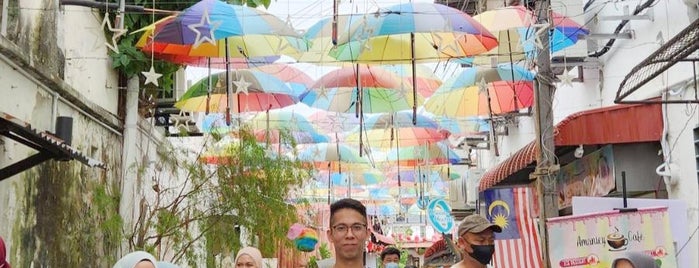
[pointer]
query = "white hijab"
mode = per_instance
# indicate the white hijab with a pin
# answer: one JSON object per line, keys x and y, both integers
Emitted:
{"x": 130, "y": 260}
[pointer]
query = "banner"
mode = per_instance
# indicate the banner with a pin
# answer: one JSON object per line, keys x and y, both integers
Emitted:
{"x": 595, "y": 240}
{"x": 592, "y": 175}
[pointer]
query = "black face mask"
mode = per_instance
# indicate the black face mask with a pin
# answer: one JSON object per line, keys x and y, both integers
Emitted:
{"x": 482, "y": 254}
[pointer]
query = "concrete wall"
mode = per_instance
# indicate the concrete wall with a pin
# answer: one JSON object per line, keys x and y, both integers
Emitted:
{"x": 53, "y": 62}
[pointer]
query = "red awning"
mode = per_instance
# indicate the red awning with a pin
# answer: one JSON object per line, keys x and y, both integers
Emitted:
{"x": 608, "y": 125}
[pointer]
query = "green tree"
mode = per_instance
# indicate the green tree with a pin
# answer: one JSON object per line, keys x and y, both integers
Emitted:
{"x": 212, "y": 205}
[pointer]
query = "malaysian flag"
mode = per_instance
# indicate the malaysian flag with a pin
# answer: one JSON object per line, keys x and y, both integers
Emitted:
{"x": 517, "y": 246}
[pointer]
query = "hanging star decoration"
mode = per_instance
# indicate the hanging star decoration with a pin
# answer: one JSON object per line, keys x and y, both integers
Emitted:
{"x": 315, "y": 153}
{"x": 541, "y": 28}
{"x": 482, "y": 86}
{"x": 322, "y": 92}
{"x": 151, "y": 76}
{"x": 281, "y": 46}
{"x": 566, "y": 78}
{"x": 242, "y": 86}
{"x": 116, "y": 33}
{"x": 205, "y": 23}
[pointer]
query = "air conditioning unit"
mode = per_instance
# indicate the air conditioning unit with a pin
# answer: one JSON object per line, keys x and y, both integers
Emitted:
{"x": 472, "y": 181}
{"x": 463, "y": 192}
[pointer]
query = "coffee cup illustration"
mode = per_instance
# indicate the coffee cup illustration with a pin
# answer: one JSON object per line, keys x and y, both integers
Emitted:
{"x": 617, "y": 241}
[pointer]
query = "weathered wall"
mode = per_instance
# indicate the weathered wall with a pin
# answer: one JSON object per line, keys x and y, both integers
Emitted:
{"x": 59, "y": 214}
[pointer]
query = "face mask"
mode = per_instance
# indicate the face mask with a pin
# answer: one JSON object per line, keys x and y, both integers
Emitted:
{"x": 482, "y": 254}
{"x": 391, "y": 265}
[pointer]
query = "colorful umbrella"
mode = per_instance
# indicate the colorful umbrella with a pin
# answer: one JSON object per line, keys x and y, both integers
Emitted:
{"x": 144, "y": 43}
{"x": 333, "y": 122}
{"x": 280, "y": 120}
{"x": 256, "y": 91}
{"x": 509, "y": 88}
{"x": 514, "y": 27}
{"x": 351, "y": 178}
{"x": 382, "y": 91}
{"x": 432, "y": 153}
{"x": 400, "y": 119}
{"x": 463, "y": 126}
{"x": 398, "y": 137}
{"x": 414, "y": 32}
{"x": 330, "y": 152}
{"x": 427, "y": 82}
{"x": 205, "y": 29}
{"x": 320, "y": 38}
{"x": 300, "y": 137}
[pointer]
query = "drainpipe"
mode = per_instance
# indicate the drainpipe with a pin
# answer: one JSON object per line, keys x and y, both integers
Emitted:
{"x": 129, "y": 176}
{"x": 54, "y": 110}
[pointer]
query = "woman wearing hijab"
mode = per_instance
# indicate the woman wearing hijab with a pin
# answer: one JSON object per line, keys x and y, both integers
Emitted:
{"x": 248, "y": 257}
{"x": 3, "y": 255}
{"x": 635, "y": 260}
{"x": 137, "y": 259}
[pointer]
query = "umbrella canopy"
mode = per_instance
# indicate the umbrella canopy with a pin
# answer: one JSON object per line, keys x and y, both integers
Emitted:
{"x": 427, "y": 82}
{"x": 383, "y": 91}
{"x": 333, "y": 122}
{"x": 400, "y": 119}
{"x": 463, "y": 126}
{"x": 330, "y": 152}
{"x": 356, "y": 178}
{"x": 300, "y": 137}
{"x": 397, "y": 137}
{"x": 320, "y": 38}
{"x": 205, "y": 28}
{"x": 157, "y": 51}
{"x": 256, "y": 91}
{"x": 509, "y": 88}
{"x": 281, "y": 120}
{"x": 433, "y": 153}
{"x": 440, "y": 32}
{"x": 513, "y": 25}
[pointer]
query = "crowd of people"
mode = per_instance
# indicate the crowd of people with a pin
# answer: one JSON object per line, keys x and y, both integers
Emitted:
{"x": 349, "y": 234}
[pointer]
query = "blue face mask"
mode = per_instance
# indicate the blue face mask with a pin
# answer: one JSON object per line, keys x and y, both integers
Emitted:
{"x": 391, "y": 265}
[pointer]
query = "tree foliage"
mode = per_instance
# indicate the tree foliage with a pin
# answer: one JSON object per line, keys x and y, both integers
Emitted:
{"x": 240, "y": 200}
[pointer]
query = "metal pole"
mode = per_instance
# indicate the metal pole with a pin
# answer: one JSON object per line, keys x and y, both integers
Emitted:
{"x": 546, "y": 168}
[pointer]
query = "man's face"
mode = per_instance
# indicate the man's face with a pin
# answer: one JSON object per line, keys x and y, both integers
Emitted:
{"x": 484, "y": 238}
{"x": 348, "y": 233}
{"x": 623, "y": 264}
{"x": 391, "y": 258}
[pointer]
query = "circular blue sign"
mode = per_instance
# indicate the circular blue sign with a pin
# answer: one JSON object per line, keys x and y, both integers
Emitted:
{"x": 440, "y": 217}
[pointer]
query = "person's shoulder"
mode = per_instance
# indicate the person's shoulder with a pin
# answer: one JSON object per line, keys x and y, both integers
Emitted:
{"x": 326, "y": 263}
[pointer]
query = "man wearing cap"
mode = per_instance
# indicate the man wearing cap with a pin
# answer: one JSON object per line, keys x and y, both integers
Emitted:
{"x": 477, "y": 240}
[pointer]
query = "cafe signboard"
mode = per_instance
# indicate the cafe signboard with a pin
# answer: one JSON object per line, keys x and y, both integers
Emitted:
{"x": 595, "y": 240}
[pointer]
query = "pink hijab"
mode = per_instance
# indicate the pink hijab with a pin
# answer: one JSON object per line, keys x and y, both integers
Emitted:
{"x": 3, "y": 255}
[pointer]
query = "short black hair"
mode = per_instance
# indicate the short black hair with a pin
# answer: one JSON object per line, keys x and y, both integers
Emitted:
{"x": 347, "y": 203}
{"x": 389, "y": 251}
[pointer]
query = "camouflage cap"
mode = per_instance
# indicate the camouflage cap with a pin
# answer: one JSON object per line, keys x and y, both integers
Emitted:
{"x": 475, "y": 224}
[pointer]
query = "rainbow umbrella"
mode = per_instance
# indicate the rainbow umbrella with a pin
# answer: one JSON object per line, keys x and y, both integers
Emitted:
{"x": 256, "y": 91}
{"x": 333, "y": 122}
{"x": 276, "y": 136}
{"x": 157, "y": 51}
{"x": 351, "y": 178}
{"x": 280, "y": 120}
{"x": 296, "y": 79}
{"x": 330, "y": 152}
{"x": 428, "y": 154}
{"x": 211, "y": 28}
{"x": 320, "y": 38}
{"x": 382, "y": 91}
{"x": 509, "y": 88}
{"x": 513, "y": 25}
{"x": 426, "y": 81}
{"x": 411, "y": 32}
{"x": 398, "y": 137}
{"x": 463, "y": 126}
{"x": 402, "y": 119}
